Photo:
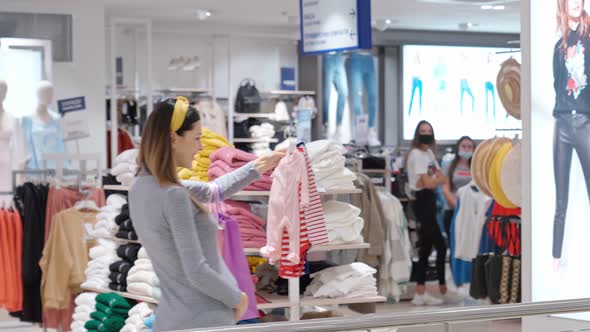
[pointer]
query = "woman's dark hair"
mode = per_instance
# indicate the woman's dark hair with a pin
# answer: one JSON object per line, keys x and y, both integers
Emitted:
{"x": 416, "y": 141}
{"x": 455, "y": 162}
{"x": 155, "y": 153}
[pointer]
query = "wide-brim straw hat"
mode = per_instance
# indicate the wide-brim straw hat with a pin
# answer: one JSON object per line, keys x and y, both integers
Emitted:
{"x": 508, "y": 86}
{"x": 511, "y": 176}
{"x": 495, "y": 182}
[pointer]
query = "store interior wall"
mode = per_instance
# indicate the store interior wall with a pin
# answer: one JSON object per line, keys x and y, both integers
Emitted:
{"x": 256, "y": 57}
{"x": 71, "y": 78}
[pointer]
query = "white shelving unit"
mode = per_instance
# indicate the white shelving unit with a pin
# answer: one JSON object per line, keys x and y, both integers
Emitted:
{"x": 256, "y": 140}
{"x": 278, "y": 93}
{"x": 293, "y": 301}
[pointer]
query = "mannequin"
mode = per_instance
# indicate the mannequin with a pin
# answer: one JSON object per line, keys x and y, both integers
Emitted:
{"x": 42, "y": 129}
{"x": 13, "y": 151}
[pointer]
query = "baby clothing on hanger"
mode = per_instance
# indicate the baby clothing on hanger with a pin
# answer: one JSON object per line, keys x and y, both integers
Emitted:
{"x": 288, "y": 195}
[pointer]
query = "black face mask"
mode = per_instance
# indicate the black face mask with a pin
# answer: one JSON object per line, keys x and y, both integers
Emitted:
{"x": 426, "y": 139}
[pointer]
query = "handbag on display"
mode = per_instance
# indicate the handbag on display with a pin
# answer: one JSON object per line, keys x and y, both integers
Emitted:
{"x": 506, "y": 280}
{"x": 478, "y": 288}
{"x": 515, "y": 290}
{"x": 248, "y": 98}
{"x": 493, "y": 271}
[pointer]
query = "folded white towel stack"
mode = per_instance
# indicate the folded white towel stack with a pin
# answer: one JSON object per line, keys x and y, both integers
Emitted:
{"x": 328, "y": 164}
{"x": 125, "y": 166}
{"x": 346, "y": 281}
{"x": 343, "y": 222}
{"x": 137, "y": 315}
{"x": 102, "y": 256}
{"x": 85, "y": 304}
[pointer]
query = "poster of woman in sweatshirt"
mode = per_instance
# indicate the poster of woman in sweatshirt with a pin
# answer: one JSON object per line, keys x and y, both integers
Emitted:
{"x": 571, "y": 71}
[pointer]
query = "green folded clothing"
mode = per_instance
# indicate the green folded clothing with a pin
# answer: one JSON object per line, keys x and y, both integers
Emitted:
{"x": 111, "y": 324}
{"x": 112, "y": 311}
{"x": 99, "y": 316}
{"x": 92, "y": 325}
{"x": 113, "y": 300}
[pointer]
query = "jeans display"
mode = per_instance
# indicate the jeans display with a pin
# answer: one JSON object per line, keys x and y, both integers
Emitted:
{"x": 361, "y": 69}
{"x": 466, "y": 89}
{"x": 429, "y": 236}
{"x": 490, "y": 91}
{"x": 416, "y": 84}
{"x": 334, "y": 73}
{"x": 571, "y": 133}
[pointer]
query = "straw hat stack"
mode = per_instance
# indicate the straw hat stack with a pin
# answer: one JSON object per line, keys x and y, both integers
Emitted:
{"x": 508, "y": 85}
{"x": 495, "y": 168}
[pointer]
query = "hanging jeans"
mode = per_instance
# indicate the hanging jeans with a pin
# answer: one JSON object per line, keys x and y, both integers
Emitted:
{"x": 466, "y": 89}
{"x": 429, "y": 235}
{"x": 416, "y": 84}
{"x": 571, "y": 133}
{"x": 490, "y": 91}
{"x": 361, "y": 70}
{"x": 334, "y": 73}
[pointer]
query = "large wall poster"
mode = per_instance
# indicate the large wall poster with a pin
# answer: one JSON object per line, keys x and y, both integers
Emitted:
{"x": 560, "y": 147}
{"x": 454, "y": 88}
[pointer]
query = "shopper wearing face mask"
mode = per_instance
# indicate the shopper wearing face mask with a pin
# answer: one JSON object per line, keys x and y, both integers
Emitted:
{"x": 458, "y": 175}
{"x": 424, "y": 176}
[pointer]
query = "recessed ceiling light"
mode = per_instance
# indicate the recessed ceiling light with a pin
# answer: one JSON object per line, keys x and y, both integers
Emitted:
{"x": 202, "y": 14}
{"x": 387, "y": 21}
{"x": 486, "y": 7}
{"x": 208, "y": 13}
{"x": 499, "y": 7}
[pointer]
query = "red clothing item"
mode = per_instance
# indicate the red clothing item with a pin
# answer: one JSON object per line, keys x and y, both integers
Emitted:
{"x": 4, "y": 258}
{"x": 18, "y": 250}
{"x": 124, "y": 143}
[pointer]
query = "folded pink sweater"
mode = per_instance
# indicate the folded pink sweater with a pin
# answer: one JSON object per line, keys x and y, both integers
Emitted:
{"x": 231, "y": 156}
{"x": 215, "y": 172}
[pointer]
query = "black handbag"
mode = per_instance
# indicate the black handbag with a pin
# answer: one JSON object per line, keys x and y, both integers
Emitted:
{"x": 248, "y": 98}
{"x": 478, "y": 288}
{"x": 493, "y": 271}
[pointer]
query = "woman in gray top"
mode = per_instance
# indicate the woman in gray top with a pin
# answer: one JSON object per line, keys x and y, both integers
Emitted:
{"x": 458, "y": 175}
{"x": 176, "y": 229}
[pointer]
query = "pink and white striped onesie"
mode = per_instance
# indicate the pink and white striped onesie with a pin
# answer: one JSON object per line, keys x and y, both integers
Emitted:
{"x": 288, "y": 195}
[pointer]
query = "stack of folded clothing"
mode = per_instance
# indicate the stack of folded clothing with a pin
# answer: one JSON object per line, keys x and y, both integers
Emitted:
{"x": 125, "y": 167}
{"x": 110, "y": 314}
{"x": 343, "y": 222}
{"x": 211, "y": 142}
{"x": 137, "y": 316}
{"x": 226, "y": 160}
{"x": 105, "y": 226}
{"x": 101, "y": 257}
{"x": 123, "y": 221}
{"x": 265, "y": 132}
{"x": 141, "y": 279}
{"x": 328, "y": 164}
{"x": 252, "y": 231}
{"x": 85, "y": 305}
{"x": 127, "y": 253}
{"x": 346, "y": 281}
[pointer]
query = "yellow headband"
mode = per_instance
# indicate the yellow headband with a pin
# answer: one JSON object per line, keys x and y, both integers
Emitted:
{"x": 180, "y": 110}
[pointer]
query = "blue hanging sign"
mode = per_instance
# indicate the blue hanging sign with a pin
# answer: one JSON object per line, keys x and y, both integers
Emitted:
{"x": 335, "y": 25}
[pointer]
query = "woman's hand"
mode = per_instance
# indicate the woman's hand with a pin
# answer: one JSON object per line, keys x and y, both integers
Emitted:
{"x": 240, "y": 310}
{"x": 268, "y": 161}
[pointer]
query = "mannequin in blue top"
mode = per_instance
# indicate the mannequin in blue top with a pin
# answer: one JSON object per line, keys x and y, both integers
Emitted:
{"x": 42, "y": 130}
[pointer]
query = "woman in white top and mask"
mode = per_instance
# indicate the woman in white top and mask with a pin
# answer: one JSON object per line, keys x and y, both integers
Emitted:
{"x": 425, "y": 175}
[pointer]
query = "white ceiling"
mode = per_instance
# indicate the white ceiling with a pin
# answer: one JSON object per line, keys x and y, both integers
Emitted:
{"x": 406, "y": 14}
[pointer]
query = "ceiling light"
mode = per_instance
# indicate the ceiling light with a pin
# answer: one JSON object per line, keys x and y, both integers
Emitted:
{"x": 499, "y": 7}
{"x": 202, "y": 14}
{"x": 387, "y": 21}
{"x": 487, "y": 7}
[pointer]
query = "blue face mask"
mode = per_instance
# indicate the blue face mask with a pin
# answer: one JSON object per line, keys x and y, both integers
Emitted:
{"x": 465, "y": 154}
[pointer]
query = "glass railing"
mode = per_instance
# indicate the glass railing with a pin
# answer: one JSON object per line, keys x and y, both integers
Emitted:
{"x": 558, "y": 316}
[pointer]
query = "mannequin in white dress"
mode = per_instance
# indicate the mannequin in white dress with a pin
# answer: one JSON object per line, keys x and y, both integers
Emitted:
{"x": 42, "y": 129}
{"x": 13, "y": 151}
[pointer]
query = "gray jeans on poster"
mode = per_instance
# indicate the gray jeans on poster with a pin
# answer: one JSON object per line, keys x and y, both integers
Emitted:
{"x": 572, "y": 132}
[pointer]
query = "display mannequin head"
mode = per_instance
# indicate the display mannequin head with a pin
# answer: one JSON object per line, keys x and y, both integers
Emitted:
{"x": 571, "y": 15}
{"x": 45, "y": 94}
